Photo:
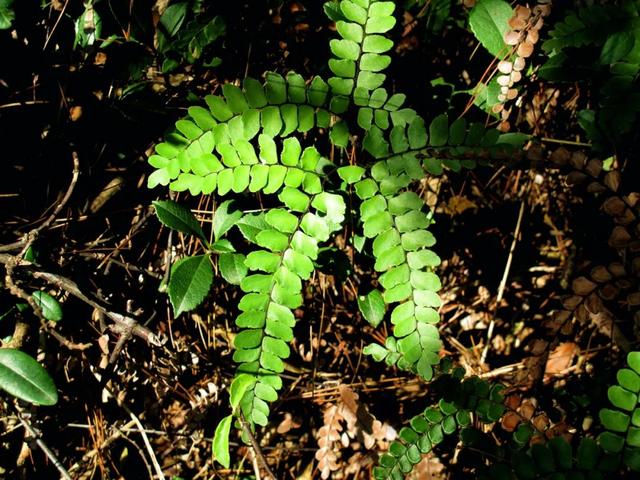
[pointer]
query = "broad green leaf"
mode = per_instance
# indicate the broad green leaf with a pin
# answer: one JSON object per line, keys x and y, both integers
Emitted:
{"x": 221, "y": 441}
{"x": 6, "y": 14}
{"x": 190, "y": 282}
{"x": 224, "y": 219}
{"x": 232, "y": 267}
{"x": 50, "y": 307}
{"x": 372, "y": 306}
{"x": 489, "y": 21}
{"x": 24, "y": 377}
{"x": 177, "y": 217}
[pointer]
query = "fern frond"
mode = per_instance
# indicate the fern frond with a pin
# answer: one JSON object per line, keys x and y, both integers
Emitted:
{"x": 212, "y": 150}
{"x": 359, "y": 56}
{"x": 460, "y": 399}
{"x": 590, "y": 25}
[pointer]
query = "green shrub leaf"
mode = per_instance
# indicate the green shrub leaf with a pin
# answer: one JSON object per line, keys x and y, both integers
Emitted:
{"x": 489, "y": 22}
{"x": 24, "y": 377}
{"x": 51, "y": 309}
{"x": 190, "y": 282}
{"x": 178, "y": 217}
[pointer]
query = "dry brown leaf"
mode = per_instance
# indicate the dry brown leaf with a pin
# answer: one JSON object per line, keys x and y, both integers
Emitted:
{"x": 561, "y": 358}
{"x": 327, "y": 435}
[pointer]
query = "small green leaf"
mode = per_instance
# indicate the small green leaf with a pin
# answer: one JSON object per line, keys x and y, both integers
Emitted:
{"x": 372, "y": 307}
{"x": 221, "y": 441}
{"x": 239, "y": 387}
{"x": 189, "y": 283}
{"x": 50, "y": 307}
{"x": 179, "y": 218}
{"x": 232, "y": 267}
{"x": 351, "y": 174}
{"x": 378, "y": 352}
{"x": 224, "y": 218}
{"x": 24, "y": 377}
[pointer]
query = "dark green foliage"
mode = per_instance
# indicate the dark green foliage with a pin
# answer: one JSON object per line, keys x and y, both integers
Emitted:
{"x": 460, "y": 400}
{"x": 600, "y": 43}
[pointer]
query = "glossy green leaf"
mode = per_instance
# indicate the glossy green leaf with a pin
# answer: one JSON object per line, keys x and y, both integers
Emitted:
{"x": 224, "y": 217}
{"x": 24, "y": 378}
{"x": 190, "y": 281}
{"x": 488, "y": 20}
{"x": 51, "y": 308}
{"x": 178, "y": 217}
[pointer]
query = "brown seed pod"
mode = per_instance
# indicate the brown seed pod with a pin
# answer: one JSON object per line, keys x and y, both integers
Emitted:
{"x": 512, "y": 37}
{"x": 633, "y": 299}
{"x": 600, "y": 274}
{"x": 612, "y": 180}
{"x": 505, "y": 67}
{"x": 617, "y": 269}
{"x": 619, "y": 238}
{"x": 519, "y": 64}
{"x": 576, "y": 178}
{"x": 525, "y": 49}
{"x": 512, "y": 93}
{"x": 583, "y": 286}
{"x": 614, "y": 206}
{"x": 578, "y": 160}
{"x": 594, "y": 167}
{"x": 609, "y": 292}
{"x": 560, "y": 156}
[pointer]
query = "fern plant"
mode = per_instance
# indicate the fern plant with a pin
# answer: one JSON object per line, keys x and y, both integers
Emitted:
{"x": 252, "y": 140}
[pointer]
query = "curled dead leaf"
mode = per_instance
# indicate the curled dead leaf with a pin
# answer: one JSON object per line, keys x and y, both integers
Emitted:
{"x": 510, "y": 421}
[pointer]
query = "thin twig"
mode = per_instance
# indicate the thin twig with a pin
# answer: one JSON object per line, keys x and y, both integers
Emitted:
{"x": 256, "y": 448}
{"x": 50, "y": 455}
{"x": 503, "y": 282}
{"x": 30, "y": 237}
